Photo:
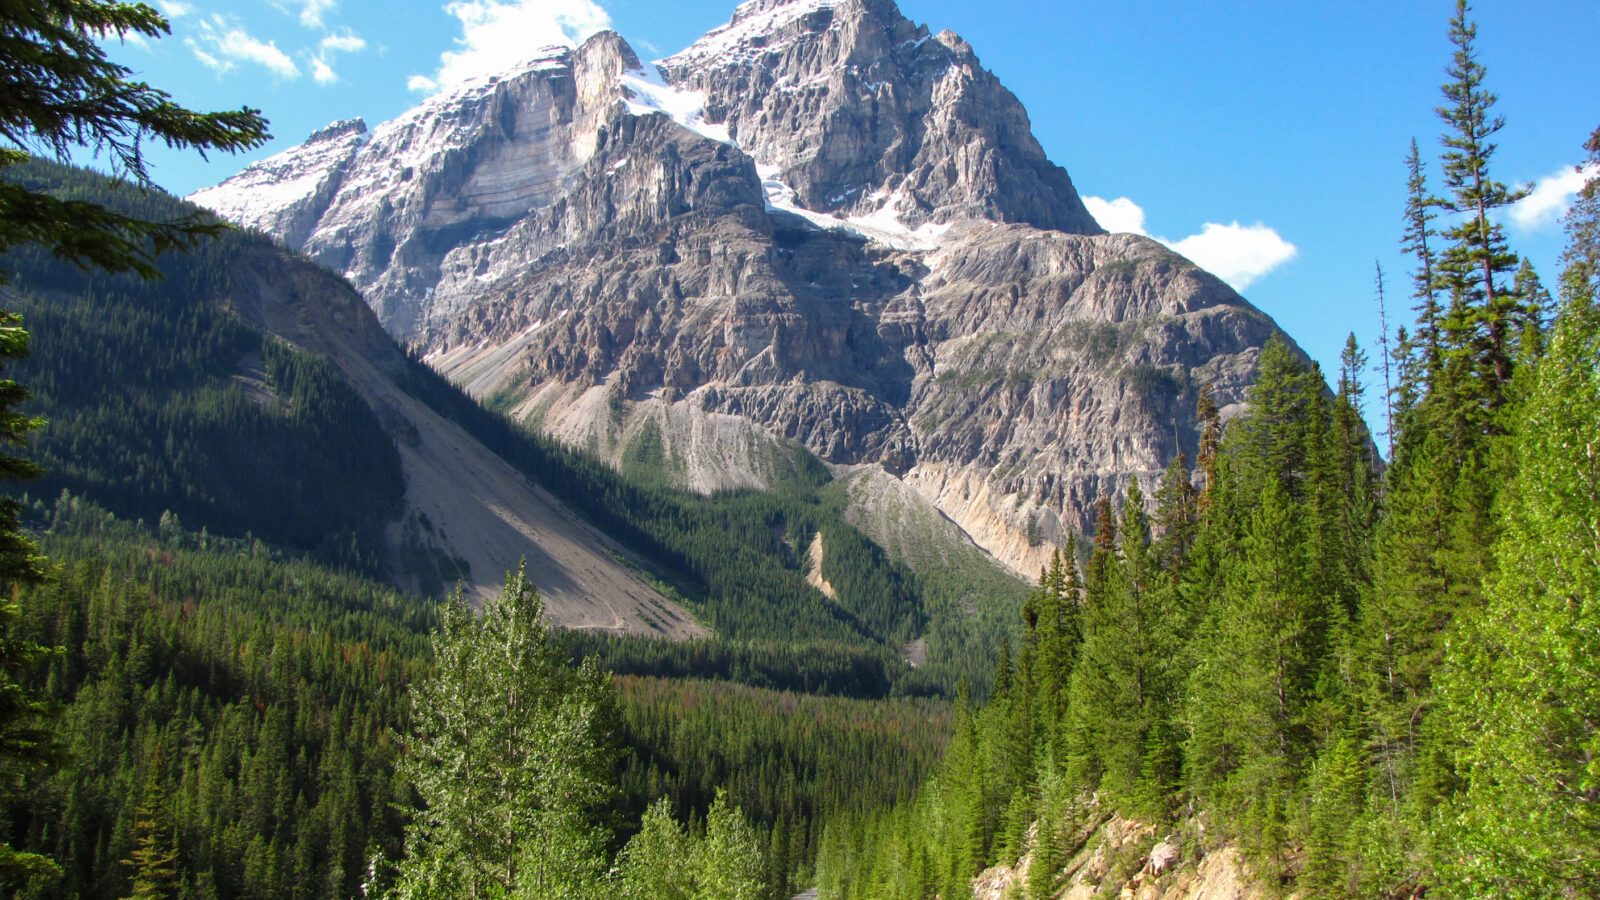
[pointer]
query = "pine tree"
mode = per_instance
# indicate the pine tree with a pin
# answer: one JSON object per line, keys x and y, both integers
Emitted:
{"x": 511, "y": 758}
{"x": 1419, "y": 216}
{"x": 154, "y": 859}
{"x": 1521, "y": 688}
{"x": 1483, "y": 311}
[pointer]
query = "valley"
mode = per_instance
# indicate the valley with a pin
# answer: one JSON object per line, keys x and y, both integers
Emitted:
{"x": 760, "y": 473}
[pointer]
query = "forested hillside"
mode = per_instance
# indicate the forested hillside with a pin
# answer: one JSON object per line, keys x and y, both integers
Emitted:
{"x": 158, "y": 399}
{"x": 1373, "y": 682}
{"x": 241, "y": 715}
{"x": 163, "y": 398}
{"x": 1356, "y": 667}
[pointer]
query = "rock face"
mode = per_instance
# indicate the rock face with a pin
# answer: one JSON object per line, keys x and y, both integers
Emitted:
{"x": 818, "y": 226}
{"x": 859, "y": 111}
{"x": 462, "y": 502}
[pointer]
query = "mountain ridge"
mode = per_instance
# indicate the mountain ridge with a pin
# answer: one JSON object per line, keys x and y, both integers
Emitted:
{"x": 821, "y": 224}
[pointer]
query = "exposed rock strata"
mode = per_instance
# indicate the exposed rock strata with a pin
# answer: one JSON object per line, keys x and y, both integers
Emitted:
{"x": 820, "y": 225}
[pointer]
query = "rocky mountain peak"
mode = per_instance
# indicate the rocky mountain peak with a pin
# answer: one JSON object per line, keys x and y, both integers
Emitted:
{"x": 821, "y": 226}
{"x": 861, "y": 113}
{"x": 335, "y": 130}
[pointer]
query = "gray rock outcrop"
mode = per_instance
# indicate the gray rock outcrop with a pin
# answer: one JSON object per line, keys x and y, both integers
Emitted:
{"x": 820, "y": 225}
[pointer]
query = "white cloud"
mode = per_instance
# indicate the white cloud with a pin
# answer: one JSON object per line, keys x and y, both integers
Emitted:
{"x": 1238, "y": 254}
{"x": 309, "y": 12}
{"x": 348, "y": 42}
{"x": 1551, "y": 194}
{"x": 498, "y": 34}
{"x": 223, "y": 44}
{"x": 174, "y": 9}
{"x": 1119, "y": 215}
{"x": 206, "y": 59}
{"x": 322, "y": 61}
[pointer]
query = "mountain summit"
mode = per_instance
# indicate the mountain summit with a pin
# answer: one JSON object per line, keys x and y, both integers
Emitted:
{"x": 818, "y": 229}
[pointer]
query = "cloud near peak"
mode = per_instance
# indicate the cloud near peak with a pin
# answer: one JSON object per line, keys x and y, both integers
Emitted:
{"x": 1238, "y": 254}
{"x": 498, "y": 34}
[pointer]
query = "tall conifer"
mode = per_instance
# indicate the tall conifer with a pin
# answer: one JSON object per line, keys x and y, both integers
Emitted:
{"x": 1415, "y": 240}
{"x": 1484, "y": 310}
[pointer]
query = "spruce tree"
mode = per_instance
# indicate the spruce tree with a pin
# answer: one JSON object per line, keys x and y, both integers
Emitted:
{"x": 1177, "y": 518}
{"x": 1123, "y": 686}
{"x": 154, "y": 858}
{"x": 511, "y": 758}
{"x": 1254, "y": 674}
{"x": 1536, "y": 308}
{"x": 1521, "y": 688}
{"x": 1580, "y": 273}
{"x": 59, "y": 92}
{"x": 1484, "y": 310}
{"x": 1046, "y": 860}
{"x": 1058, "y": 635}
{"x": 1414, "y": 240}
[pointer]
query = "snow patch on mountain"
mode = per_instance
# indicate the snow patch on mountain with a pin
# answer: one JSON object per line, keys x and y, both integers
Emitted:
{"x": 254, "y": 196}
{"x": 746, "y": 35}
{"x": 646, "y": 93}
{"x": 884, "y": 225}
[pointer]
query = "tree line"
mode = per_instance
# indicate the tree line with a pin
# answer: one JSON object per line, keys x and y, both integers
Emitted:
{"x": 220, "y": 719}
{"x": 1375, "y": 681}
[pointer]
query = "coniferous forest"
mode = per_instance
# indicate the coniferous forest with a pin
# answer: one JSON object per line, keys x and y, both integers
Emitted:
{"x": 1367, "y": 662}
{"x": 1375, "y": 680}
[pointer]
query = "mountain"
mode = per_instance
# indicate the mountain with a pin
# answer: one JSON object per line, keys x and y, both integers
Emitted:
{"x": 249, "y": 392}
{"x": 821, "y": 227}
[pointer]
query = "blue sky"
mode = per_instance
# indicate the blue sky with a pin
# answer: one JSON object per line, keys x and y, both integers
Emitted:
{"x": 1266, "y": 139}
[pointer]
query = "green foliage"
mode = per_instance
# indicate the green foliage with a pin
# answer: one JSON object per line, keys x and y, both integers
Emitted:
{"x": 1483, "y": 316}
{"x": 154, "y": 859}
{"x": 161, "y": 399}
{"x": 58, "y": 92}
{"x": 511, "y": 759}
{"x": 666, "y": 862}
{"x": 1521, "y": 685}
{"x": 1122, "y": 687}
{"x": 727, "y": 860}
{"x": 219, "y": 700}
{"x": 657, "y": 862}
